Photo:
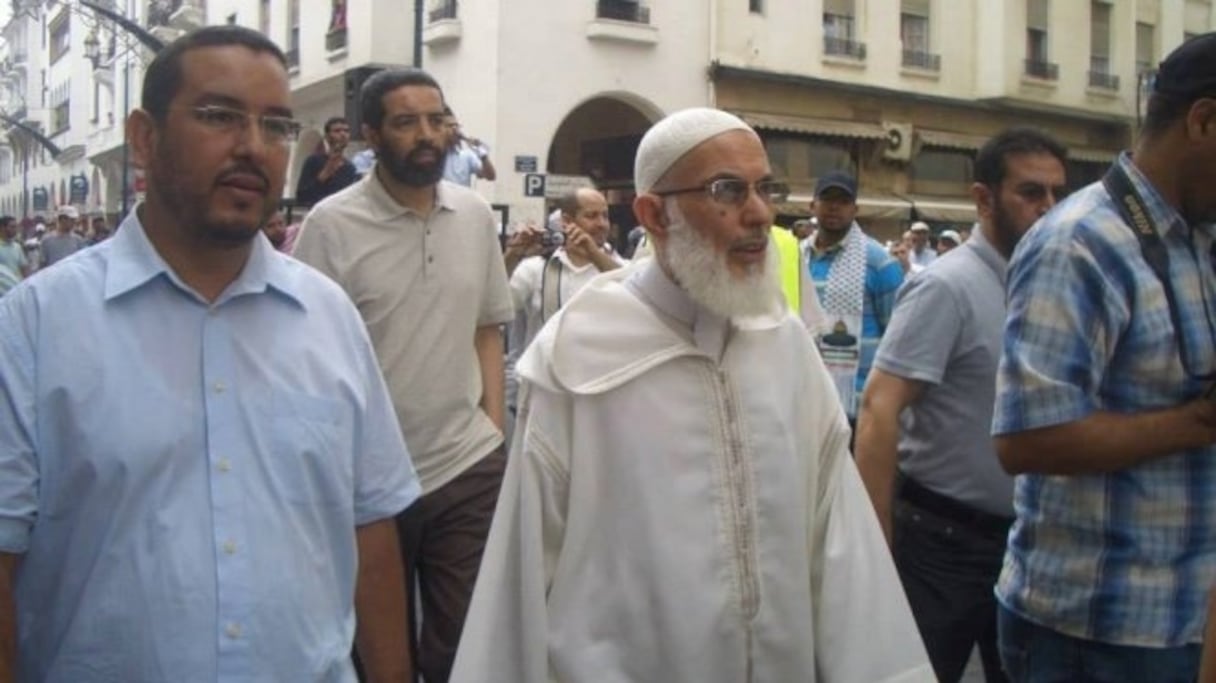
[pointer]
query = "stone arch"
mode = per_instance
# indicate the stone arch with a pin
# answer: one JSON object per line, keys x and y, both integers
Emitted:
{"x": 598, "y": 139}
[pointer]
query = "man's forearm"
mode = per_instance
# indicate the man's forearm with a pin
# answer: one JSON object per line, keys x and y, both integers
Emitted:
{"x": 603, "y": 262}
{"x": 1106, "y": 442}
{"x": 381, "y": 636}
{"x": 8, "y": 619}
{"x": 488, "y": 342}
{"x": 511, "y": 259}
{"x": 876, "y": 452}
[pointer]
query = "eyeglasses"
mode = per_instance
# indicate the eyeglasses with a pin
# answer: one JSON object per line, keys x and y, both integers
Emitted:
{"x": 734, "y": 191}
{"x": 275, "y": 129}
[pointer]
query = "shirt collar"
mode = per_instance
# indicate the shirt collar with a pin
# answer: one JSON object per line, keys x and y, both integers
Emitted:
{"x": 385, "y": 208}
{"x": 987, "y": 253}
{"x": 564, "y": 257}
{"x": 1162, "y": 216}
{"x": 818, "y": 253}
{"x": 132, "y": 261}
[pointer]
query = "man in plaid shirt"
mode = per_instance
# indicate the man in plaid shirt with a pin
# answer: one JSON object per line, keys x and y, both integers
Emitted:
{"x": 1101, "y": 412}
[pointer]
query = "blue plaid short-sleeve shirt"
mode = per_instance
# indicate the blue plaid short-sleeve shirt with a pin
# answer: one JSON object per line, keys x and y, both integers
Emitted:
{"x": 1125, "y": 557}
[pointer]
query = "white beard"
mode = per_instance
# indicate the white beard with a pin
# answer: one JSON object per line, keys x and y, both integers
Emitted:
{"x": 702, "y": 271}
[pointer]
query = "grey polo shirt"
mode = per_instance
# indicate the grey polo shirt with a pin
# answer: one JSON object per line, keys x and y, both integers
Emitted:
{"x": 423, "y": 285}
{"x": 58, "y": 246}
{"x": 946, "y": 330}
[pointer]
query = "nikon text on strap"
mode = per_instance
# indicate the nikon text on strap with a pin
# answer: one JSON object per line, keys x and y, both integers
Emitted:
{"x": 1136, "y": 217}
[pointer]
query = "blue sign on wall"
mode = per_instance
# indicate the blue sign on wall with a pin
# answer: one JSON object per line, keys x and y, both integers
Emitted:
{"x": 79, "y": 189}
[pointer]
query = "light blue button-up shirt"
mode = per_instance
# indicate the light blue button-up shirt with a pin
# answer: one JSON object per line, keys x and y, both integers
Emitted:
{"x": 184, "y": 479}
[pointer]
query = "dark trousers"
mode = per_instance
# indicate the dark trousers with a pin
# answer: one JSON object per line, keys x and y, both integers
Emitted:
{"x": 948, "y": 569}
{"x": 1037, "y": 654}
{"x": 443, "y": 535}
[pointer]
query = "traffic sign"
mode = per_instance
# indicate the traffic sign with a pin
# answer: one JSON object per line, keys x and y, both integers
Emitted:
{"x": 534, "y": 185}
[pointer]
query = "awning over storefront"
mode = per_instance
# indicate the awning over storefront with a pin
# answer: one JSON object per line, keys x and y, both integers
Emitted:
{"x": 948, "y": 140}
{"x": 869, "y": 207}
{"x": 944, "y": 209}
{"x": 1092, "y": 155}
{"x": 814, "y": 126}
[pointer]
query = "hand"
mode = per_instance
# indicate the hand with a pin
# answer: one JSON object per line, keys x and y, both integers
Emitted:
{"x": 579, "y": 243}
{"x": 526, "y": 241}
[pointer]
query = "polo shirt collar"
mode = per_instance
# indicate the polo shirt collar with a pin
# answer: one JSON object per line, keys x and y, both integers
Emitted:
{"x": 385, "y": 208}
{"x": 987, "y": 253}
{"x": 132, "y": 261}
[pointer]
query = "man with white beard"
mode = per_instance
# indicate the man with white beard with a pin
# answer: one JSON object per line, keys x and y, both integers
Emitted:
{"x": 680, "y": 504}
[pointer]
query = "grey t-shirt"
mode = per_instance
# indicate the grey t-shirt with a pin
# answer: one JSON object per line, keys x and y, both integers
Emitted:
{"x": 946, "y": 331}
{"x": 58, "y": 246}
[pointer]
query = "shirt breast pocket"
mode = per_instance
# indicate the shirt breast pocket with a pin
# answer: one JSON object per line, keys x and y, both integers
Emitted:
{"x": 309, "y": 459}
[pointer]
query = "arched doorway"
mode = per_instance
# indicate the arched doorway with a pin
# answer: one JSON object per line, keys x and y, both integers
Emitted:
{"x": 598, "y": 139}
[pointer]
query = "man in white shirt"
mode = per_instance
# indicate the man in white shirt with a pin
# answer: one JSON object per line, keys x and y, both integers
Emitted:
{"x": 680, "y": 504}
{"x": 541, "y": 285}
{"x": 920, "y": 252}
{"x": 543, "y": 282}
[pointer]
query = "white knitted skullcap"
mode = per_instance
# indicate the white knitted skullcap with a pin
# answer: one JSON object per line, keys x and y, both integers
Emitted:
{"x": 673, "y": 137}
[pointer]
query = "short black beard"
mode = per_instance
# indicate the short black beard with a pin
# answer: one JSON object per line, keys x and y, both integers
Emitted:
{"x": 1007, "y": 235}
{"x": 406, "y": 171}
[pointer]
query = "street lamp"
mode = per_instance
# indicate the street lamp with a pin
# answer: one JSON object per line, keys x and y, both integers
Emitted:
{"x": 92, "y": 51}
{"x": 92, "y": 48}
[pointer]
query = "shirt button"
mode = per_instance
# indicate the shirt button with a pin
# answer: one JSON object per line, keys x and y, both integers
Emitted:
{"x": 223, "y": 465}
{"x": 233, "y": 630}
{"x": 219, "y": 387}
{"x": 430, "y": 259}
{"x": 229, "y": 547}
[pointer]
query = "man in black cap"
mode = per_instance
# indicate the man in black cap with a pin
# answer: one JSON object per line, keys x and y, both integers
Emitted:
{"x": 1104, "y": 407}
{"x": 856, "y": 280}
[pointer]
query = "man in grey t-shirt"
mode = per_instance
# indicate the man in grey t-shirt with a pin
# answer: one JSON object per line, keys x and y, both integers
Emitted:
{"x": 64, "y": 241}
{"x": 946, "y": 508}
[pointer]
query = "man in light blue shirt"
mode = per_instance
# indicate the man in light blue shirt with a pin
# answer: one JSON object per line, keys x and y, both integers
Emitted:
{"x": 199, "y": 460}
{"x": 466, "y": 157}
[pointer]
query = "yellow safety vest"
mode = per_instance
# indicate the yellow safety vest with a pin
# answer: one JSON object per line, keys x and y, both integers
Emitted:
{"x": 791, "y": 264}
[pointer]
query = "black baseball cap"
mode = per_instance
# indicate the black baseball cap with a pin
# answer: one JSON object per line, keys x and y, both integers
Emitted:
{"x": 839, "y": 180}
{"x": 1190, "y": 70}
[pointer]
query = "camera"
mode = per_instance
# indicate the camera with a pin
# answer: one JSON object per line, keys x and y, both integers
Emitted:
{"x": 553, "y": 239}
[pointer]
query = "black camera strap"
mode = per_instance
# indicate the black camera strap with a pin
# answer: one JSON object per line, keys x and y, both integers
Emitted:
{"x": 1136, "y": 217}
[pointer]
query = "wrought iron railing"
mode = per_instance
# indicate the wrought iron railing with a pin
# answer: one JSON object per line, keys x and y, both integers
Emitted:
{"x": 622, "y": 10}
{"x": 844, "y": 47}
{"x": 446, "y": 9}
{"x": 335, "y": 39}
{"x": 1041, "y": 69}
{"x": 1102, "y": 79}
{"x": 922, "y": 60}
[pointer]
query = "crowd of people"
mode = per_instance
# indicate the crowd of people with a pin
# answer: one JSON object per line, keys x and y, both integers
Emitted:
{"x": 23, "y": 251}
{"x": 234, "y": 448}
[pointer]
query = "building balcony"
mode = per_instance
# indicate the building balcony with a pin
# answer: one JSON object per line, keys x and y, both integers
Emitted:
{"x": 335, "y": 40}
{"x": 446, "y": 9}
{"x": 1104, "y": 80}
{"x": 622, "y": 10}
{"x": 844, "y": 47}
{"x": 1047, "y": 71}
{"x": 922, "y": 60}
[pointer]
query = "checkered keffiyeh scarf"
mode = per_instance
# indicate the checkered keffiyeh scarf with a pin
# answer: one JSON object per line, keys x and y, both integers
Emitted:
{"x": 844, "y": 294}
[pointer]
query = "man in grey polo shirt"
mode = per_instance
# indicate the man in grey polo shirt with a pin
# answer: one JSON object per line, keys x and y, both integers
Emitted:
{"x": 928, "y": 409}
{"x": 420, "y": 258}
{"x": 64, "y": 241}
